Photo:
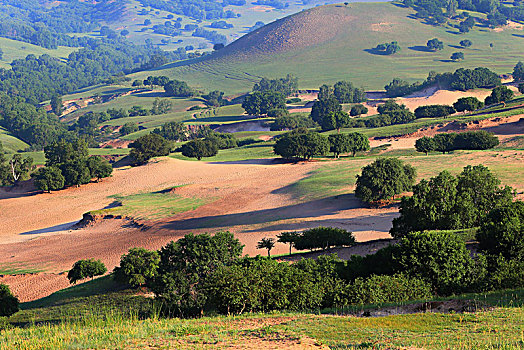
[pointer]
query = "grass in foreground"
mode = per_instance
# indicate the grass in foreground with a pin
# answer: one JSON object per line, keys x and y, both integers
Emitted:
{"x": 94, "y": 316}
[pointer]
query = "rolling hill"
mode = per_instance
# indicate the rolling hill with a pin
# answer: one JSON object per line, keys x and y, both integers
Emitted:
{"x": 330, "y": 43}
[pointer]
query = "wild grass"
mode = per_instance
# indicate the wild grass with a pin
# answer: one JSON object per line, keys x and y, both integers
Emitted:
{"x": 15, "y": 269}
{"x": 261, "y": 150}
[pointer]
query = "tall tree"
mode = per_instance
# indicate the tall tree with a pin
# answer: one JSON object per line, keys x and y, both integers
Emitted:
{"x": 266, "y": 243}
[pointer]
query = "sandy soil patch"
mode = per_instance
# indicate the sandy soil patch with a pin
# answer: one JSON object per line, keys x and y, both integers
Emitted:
{"x": 383, "y": 27}
{"x": 432, "y": 96}
{"x": 261, "y": 8}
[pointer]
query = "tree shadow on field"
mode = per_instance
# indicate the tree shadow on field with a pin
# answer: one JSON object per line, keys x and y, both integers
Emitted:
{"x": 320, "y": 207}
{"x": 518, "y": 35}
{"x": 151, "y": 94}
{"x": 420, "y": 48}
{"x": 57, "y": 228}
{"x": 446, "y": 61}
{"x": 457, "y": 47}
{"x": 452, "y": 32}
{"x": 375, "y": 51}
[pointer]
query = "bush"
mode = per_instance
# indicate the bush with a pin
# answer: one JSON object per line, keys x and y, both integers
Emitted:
{"x": 441, "y": 258}
{"x": 49, "y": 179}
{"x": 383, "y": 179}
{"x": 8, "y": 302}
{"x": 380, "y": 263}
{"x": 149, "y": 146}
{"x": 387, "y": 289}
{"x": 128, "y": 128}
{"x": 468, "y": 104}
{"x": 357, "y": 110}
{"x": 199, "y": 149}
{"x": 137, "y": 267}
{"x": 83, "y": 269}
{"x": 278, "y": 113}
{"x": 222, "y": 140}
{"x": 324, "y": 238}
{"x": 502, "y": 231}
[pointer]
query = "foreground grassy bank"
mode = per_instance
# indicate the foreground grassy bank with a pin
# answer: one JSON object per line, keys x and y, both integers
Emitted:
{"x": 94, "y": 316}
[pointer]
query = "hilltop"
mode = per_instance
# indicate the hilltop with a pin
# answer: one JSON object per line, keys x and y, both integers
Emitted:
{"x": 329, "y": 43}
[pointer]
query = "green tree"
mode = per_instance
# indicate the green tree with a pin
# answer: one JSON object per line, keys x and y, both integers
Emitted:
{"x": 521, "y": 88}
{"x": 99, "y": 167}
{"x": 260, "y": 103}
{"x": 49, "y": 179}
{"x": 383, "y": 179}
{"x": 178, "y": 88}
{"x": 9, "y": 304}
{"x": 358, "y": 110}
{"x": 266, "y": 243}
{"x": 185, "y": 266}
{"x": 357, "y": 143}
{"x": 128, "y": 128}
{"x": 137, "y": 267}
{"x": 199, "y": 149}
{"x": 457, "y": 56}
{"x": 323, "y": 108}
{"x": 56, "y": 105}
{"x": 338, "y": 144}
{"x": 464, "y": 104}
{"x": 425, "y": 144}
{"x": 88, "y": 268}
{"x": 289, "y": 237}
{"x": 499, "y": 94}
{"x": 435, "y": 44}
{"x": 174, "y": 131}
{"x": 62, "y": 152}
{"x": 148, "y": 146}
{"x": 518, "y": 71}
{"x": 15, "y": 169}
{"x": 502, "y": 231}
{"x": 444, "y": 142}
{"x": 336, "y": 121}
{"x": 438, "y": 257}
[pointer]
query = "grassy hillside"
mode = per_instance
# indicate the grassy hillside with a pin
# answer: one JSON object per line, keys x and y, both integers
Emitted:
{"x": 330, "y": 43}
{"x": 99, "y": 314}
{"x": 16, "y": 49}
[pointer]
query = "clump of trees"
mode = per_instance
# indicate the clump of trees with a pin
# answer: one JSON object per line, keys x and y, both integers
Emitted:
{"x": 388, "y": 48}
{"x": 348, "y": 143}
{"x": 199, "y": 149}
{"x": 448, "y": 142}
{"x": 323, "y": 238}
{"x": 148, "y": 146}
{"x": 457, "y": 56}
{"x": 69, "y": 164}
{"x": 138, "y": 267}
{"x": 358, "y": 110}
{"x": 301, "y": 144}
{"x": 260, "y": 103}
{"x": 434, "y": 111}
{"x": 383, "y": 179}
{"x": 173, "y": 131}
{"x": 435, "y": 44}
{"x": 285, "y": 86}
{"x": 390, "y": 113}
{"x": 447, "y": 202}
{"x": 88, "y": 268}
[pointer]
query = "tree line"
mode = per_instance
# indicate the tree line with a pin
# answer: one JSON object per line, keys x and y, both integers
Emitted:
{"x": 448, "y": 142}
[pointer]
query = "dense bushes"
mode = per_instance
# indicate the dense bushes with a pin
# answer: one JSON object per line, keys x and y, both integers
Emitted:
{"x": 383, "y": 179}
{"x": 260, "y": 103}
{"x": 348, "y": 143}
{"x": 499, "y": 94}
{"x": 286, "y": 86}
{"x": 448, "y": 142}
{"x": 447, "y": 202}
{"x": 390, "y": 113}
{"x": 199, "y": 149}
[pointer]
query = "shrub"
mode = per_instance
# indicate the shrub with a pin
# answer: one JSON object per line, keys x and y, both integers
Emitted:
{"x": 277, "y": 113}
{"x": 383, "y": 179}
{"x": 83, "y": 269}
{"x": 387, "y": 289}
{"x": 222, "y": 140}
{"x": 379, "y": 263}
{"x": 137, "y": 267}
{"x": 499, "y": 94}
{"x": 357, "y": 110}
{"x": 49, "y": 179}
{"x": 468, "y": 104}
{"x": 8, "y": 302}
{"x": 128, "y": 128}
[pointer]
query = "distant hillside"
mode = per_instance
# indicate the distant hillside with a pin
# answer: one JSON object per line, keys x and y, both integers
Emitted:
{"x": 329, "y": 43}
